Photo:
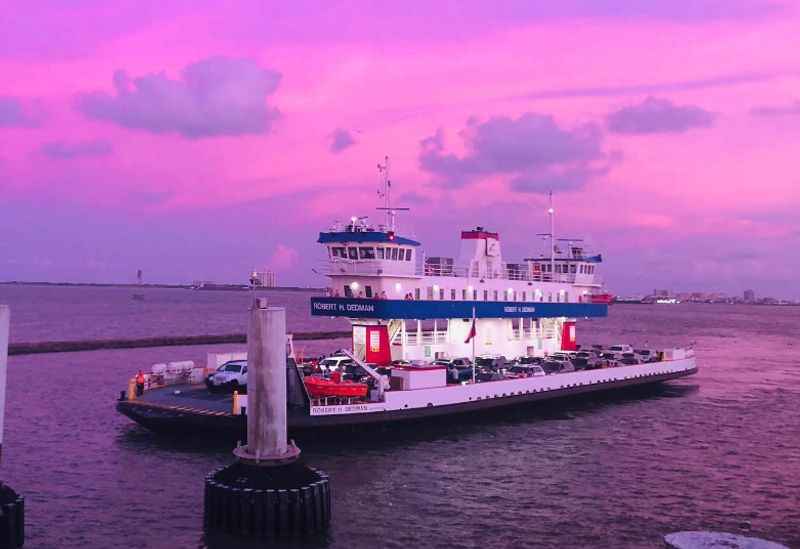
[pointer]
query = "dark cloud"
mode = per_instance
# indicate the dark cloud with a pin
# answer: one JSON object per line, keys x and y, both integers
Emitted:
{"x": 793, "y": 109}
{"x": 341, "y": 139}
{"x": 569, "y": 179}
{"x": 214, "y": 97}
{"x": 658, "y": 116}
{"x": 63, "y": 150}
{"x": 723, "y": 81}
{"x": 14, "y": 113}
{"x": 413, "y": 197}
{"x": 532, "y": 150}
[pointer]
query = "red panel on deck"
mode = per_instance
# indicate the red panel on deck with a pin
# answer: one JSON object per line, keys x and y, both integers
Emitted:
{"x": 474, "y": 235}
{"x": 378, "y": 351}
{"x": 568, "y": 341}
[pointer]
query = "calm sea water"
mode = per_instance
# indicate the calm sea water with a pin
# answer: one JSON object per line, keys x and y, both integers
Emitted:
{"x": 716, "y": 451}
{"x": 58, "y": 313}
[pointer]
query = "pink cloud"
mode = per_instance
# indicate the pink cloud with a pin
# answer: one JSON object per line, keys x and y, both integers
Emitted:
{"x": 283, "y": 258}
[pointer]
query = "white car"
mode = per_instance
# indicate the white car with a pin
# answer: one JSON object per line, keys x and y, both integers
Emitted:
{"x": 618, "y": 350}
{"x": 334, "y": 363}
{"x": 231, "y": 375}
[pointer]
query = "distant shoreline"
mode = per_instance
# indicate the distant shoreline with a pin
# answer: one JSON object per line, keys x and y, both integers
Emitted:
{"x": 39, "y": 347}
{"x": 215, "y": 287}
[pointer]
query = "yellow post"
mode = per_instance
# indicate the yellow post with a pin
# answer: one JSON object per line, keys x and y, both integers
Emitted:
{"x": 237, "y": 409}
{"x": 132, "y": 389}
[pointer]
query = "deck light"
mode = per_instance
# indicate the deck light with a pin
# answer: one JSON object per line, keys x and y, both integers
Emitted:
{"x": 354, "y": 286}
{"x": 398, "y": 287}
{"x": 470, "y": 288}
{"x": 435, "y": 287}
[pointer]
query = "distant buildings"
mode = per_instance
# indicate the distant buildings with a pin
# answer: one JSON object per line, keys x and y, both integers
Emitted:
{"x": 664, "y": 296}
{"x": 263, "y": 279}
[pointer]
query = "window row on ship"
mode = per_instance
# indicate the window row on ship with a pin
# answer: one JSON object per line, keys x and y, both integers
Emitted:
{"x": 564, "y": 268}
{"x": 394, "y": 253}
{"x": 369, "y": 252}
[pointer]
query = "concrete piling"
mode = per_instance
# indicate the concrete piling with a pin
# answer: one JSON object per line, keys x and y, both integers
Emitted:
{"x": 12, "y": 505}
{"x": 267, "y": 492}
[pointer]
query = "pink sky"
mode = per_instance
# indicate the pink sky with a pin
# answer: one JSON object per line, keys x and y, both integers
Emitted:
{"x": 204, "y": 139}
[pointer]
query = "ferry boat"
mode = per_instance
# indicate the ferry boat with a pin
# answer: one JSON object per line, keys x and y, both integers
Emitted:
{"x": 420, "y": 323}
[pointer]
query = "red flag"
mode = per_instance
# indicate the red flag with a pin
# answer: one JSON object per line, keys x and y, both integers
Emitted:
{"x": 471, "y": 333}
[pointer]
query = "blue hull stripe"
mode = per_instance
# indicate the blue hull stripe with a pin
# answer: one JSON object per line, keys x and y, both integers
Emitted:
{"x": 400, "y": 308}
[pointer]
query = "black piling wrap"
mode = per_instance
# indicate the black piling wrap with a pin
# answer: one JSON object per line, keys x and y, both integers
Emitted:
{"x": 251, "y": 501}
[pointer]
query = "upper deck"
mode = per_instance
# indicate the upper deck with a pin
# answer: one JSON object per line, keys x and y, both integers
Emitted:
{"x": 360, "y": 250}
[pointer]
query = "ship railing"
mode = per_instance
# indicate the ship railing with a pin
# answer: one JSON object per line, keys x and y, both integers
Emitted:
{"x": 427, "y": 338}
{"x": 369, "y": 268}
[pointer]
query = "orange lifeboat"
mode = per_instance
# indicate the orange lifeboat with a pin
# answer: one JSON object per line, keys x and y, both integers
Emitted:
{"x": 323, "y": 388}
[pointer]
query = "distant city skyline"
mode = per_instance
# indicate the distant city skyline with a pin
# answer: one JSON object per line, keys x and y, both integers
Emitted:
{"x": 199, "y": 144}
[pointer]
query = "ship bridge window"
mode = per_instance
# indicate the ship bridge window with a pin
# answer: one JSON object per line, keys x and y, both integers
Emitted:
{"x": 573, "y": 268}
{"x": 352, "y": 253}
{"x": 394, "y": 254}
{"x": 366, "y": 253}
{"x": 408, "y": 254}
{"x": 380, "y": 253}
{"x": 338, "y": 251}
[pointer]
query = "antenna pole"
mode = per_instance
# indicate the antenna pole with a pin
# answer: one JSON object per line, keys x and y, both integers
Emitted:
{"x": 387, "y": 190}
{"x": 552, "y": 214}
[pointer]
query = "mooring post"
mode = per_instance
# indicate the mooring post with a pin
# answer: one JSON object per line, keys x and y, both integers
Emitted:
{"x": 12, "y": 516}
{"x": 266, "y": 388}
{"x": 267, "y": 492}
{"x": 4, "y": 329}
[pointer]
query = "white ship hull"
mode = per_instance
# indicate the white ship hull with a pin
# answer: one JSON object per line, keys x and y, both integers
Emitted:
{"x": 453, "y": 395}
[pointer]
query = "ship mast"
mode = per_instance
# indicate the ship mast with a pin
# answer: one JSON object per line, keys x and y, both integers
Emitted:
{"x": 386, "y": 194}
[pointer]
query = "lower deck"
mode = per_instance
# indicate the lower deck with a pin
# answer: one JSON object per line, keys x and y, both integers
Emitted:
{"x": 185, "y": 409}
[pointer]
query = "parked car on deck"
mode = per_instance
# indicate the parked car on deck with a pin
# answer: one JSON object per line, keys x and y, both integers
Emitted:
{"x": 629, "y": 359}
{"x": 334, "y": 363}
{"x": 619, "y": 349}
{"x": 529, "y": 370}
{"x": 491, "y": 362}
{"x": 230, "y": 376}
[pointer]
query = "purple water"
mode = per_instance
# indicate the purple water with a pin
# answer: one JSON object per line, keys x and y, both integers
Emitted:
{"x": 58, "y": 313}
{"x": 715, "y": 451}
